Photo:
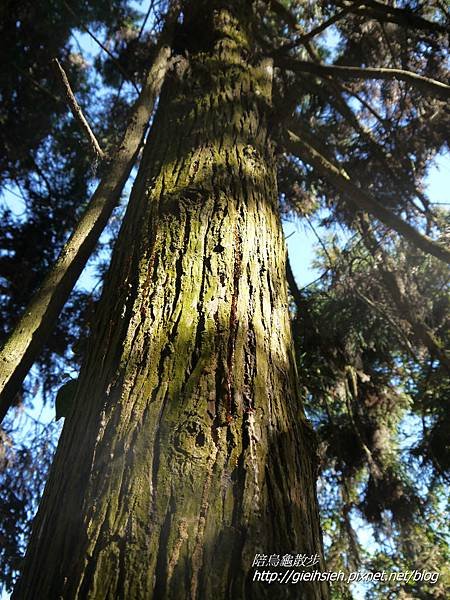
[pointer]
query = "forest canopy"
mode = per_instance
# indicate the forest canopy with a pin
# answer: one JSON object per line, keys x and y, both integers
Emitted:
{"x": 358, "y": 114}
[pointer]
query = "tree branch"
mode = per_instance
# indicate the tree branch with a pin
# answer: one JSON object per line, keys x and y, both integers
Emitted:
{"x": 402, "y": 336}
{"x": 425, "y": 84}
{"x": 102, "y": 46}
{"x": 31, "y": 332}
{"x": 320, "y": 28}
{"x": 306, "y": 37}
{"x": 339, "y": 103}
{"x": 422, "y": 332}
{"x": 76, "y": 110}
{"x": 360, "y": 198}
{"x": 400, "y": 16}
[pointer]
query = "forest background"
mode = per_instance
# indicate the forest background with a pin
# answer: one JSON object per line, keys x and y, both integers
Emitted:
{"x": 373, "y": 362}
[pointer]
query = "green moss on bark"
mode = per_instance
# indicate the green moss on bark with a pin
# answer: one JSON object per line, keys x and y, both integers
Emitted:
{"x": 187, "y": 451}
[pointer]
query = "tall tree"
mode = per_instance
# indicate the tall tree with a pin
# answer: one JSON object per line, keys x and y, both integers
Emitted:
{"x": 190, "y": 445}
{"x": 187, "y": 430}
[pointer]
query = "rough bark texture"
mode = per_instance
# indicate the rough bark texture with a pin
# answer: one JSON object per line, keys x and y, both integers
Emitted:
{"x": 28, "y": 338}
{"x": 187, "y": 451}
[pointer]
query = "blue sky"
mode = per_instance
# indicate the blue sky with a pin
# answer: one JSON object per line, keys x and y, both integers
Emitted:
{"x": 300, "y": 238}
{"x": 302, "y": 241}
{"x": 301, "y": 246}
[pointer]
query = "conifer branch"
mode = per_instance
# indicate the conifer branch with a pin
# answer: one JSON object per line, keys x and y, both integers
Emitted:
{"x": 400, "y": 16}
{"x": 360, "y": 198}
{"x": 25, "y": 342}
{"x": 102, "y": 46}
{"x": 420, "y": 329}
{"x": 306, "y": 37}
{"x": 425, "y": 84}
{"x": 370, "y": 8}
{"x": 321, "y": 28}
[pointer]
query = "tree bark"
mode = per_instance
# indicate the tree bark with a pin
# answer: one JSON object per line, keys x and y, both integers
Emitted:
{"x": 27, "y": 339}
{"x": 187, "y": 451}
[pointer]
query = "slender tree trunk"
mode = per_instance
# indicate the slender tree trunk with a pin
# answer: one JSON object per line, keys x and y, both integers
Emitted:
{"x": 187, "y": 451}
{"x": 28, "y": 338}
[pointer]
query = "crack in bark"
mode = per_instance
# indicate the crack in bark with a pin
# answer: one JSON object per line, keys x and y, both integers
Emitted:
{"x": 230, "y": 406}
{"x": 197, "y": 553}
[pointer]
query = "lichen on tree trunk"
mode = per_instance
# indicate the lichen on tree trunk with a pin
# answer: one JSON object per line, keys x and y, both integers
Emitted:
{"x": 187, "y": 451}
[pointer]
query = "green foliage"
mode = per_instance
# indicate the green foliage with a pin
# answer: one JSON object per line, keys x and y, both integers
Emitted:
{"x": 24, "y": 463}
{"x": 379, "y": 400}
{"x": 371, "y": 334}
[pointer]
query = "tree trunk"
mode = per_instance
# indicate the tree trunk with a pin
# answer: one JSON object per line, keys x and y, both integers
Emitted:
{"x": 27, "y": 340}
{"x": 187, "y": 451}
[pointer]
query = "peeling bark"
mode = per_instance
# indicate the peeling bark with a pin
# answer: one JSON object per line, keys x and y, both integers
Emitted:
{"x": 187, "y": 451}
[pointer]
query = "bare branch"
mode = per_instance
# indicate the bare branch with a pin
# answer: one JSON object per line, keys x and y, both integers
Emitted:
{"x": 33, "y": 328}
{"x": 425, "y": 84}
{"x": 361, "y": 199}
{"x": 76, "y": 110}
